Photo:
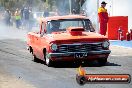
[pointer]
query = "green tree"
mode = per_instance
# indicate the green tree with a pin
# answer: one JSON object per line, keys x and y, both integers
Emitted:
{"x": 41, "y": 4}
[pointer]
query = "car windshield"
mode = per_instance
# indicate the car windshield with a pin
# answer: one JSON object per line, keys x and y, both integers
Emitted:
{"x": 61, "y": 25}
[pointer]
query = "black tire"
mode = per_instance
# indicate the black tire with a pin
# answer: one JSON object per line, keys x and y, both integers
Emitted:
{"x": 35, "y": 59}
{"x": 102, "y": 62}
{"x": 48, "y": 61}
{"x": 78, "y": 63}
{"x": 30, "y": 50}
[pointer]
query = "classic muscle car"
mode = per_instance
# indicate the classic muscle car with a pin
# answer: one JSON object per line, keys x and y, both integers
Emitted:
{"x": 68, "y": 38}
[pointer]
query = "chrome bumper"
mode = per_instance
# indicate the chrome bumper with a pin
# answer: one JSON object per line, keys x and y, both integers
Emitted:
{"x": 73, "y": 53}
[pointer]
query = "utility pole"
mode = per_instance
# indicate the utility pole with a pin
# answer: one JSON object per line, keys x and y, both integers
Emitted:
{"x": 70, "y": 6}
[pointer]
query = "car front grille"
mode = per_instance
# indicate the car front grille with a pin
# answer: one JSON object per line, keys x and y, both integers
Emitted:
{"x": 65, "y": 48}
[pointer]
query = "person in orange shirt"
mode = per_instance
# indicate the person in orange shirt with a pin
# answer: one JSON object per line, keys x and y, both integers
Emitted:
{"x": 103, "y": 18}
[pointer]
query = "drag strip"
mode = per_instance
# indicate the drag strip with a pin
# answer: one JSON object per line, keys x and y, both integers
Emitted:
{"x": 16, "y": 63}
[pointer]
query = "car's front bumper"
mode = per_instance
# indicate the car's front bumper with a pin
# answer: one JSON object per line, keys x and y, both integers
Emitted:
{"x": 72, "y": 54}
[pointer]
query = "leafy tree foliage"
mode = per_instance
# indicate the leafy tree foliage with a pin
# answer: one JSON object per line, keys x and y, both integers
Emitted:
{"x": 42, "y": 4}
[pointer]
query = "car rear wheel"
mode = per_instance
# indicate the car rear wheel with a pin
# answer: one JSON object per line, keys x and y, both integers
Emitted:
{"x": 102, "y": 61}
{"x": 35, "y": 59}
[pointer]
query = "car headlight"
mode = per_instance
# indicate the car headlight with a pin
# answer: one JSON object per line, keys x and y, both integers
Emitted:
{"x": 54, "y": 47}
{"x": 106, "y": 44}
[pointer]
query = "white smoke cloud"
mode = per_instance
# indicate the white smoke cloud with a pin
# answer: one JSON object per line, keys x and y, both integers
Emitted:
{"x": 90, "y": 7}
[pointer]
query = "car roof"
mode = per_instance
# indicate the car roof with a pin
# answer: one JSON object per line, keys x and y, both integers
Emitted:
{"x": 63, "y": 17}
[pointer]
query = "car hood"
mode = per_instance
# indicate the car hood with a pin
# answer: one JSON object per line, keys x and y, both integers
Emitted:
{"x": 85, "y": 37}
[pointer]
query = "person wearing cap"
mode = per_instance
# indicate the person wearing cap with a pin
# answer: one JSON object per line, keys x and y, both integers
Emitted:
{"x": 103, "y": 18}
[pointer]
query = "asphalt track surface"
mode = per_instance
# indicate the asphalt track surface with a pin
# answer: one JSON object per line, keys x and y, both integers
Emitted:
{"x": 17, "y": 70}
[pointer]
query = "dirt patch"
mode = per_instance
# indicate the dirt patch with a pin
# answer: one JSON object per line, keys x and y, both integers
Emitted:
{"x": 8, "y": 81}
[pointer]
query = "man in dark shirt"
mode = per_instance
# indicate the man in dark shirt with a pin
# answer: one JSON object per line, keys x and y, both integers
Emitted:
{"x": 26, "y": 17}
{"x": 46, "y": 12}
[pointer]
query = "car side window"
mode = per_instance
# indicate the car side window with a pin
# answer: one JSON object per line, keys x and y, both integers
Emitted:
{"x": 48, "y": 28}
{"x": 88, "y": 26}
{"x": 91, "y": 27}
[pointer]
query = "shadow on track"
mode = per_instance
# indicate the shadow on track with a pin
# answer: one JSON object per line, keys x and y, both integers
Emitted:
{"x": 77, "y": 64}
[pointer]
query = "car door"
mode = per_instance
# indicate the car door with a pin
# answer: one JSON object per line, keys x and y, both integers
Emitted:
{"x": 40, "y": 41}
{"x": 36, "y": 44}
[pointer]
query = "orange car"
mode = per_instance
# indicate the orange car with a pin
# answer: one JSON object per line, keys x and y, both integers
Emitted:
{"x": 68, "y": 38}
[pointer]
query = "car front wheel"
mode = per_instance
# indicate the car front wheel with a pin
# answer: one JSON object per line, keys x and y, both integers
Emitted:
{"x": 48, "y": 61}
{"x": 102, "y": 61}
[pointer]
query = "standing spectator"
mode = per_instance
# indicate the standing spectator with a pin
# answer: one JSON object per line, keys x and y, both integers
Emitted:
{"x": 57, "y": 12}
{"x": 103, "y": 18}
{"x": 31, "y": 20}
{"x": 11, "y": 20}
{"x": 22, "y": 14}
{"x": 18, "y": 18}
{"x": 73, "y": 11}
{"x": 46, "y": 12}
{"x": 7, "y": 17}
{"x": 83, "y": 13}
{"x": 22, "y": 18}
{"x": 26, "y": 14}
